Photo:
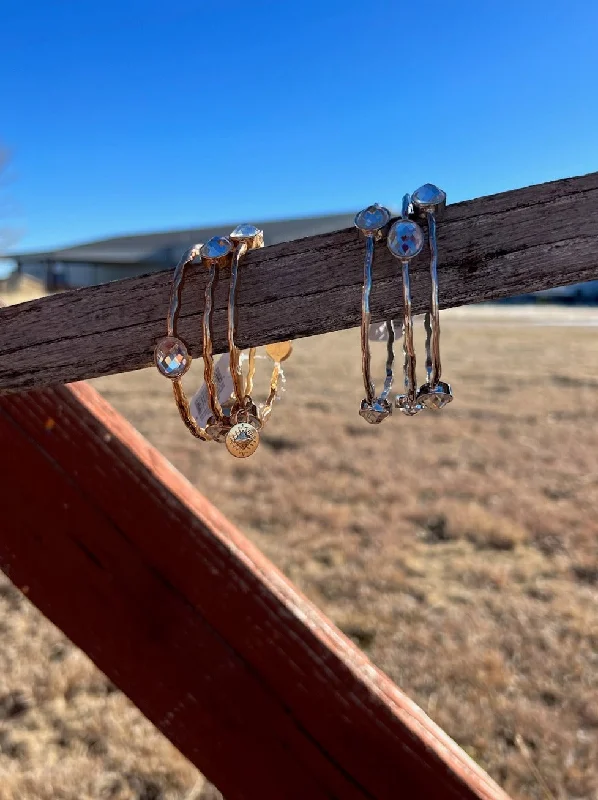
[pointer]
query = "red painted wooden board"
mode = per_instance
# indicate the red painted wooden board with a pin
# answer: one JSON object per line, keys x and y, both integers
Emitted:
{"x": 244, "y": 675}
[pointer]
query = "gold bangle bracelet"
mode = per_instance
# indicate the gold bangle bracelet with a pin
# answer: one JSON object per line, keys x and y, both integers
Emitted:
{"x": 171, "y": 356}
{"x": 215, "y": 254}
{"x": 246, "y": 421}
{"x": 246, "y": 237}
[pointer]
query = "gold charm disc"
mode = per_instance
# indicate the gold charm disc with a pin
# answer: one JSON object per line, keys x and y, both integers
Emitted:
{"x": 242, "y": 440}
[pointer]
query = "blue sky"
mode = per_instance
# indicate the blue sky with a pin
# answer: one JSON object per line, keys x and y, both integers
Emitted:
{"x": 149, "y": 115}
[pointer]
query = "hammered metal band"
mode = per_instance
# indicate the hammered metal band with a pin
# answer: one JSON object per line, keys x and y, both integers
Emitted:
{"x": 245, "y": 237}
{"x": 216, "y": 254}
{"x": 430, "y": 201}
{"x": 371, "y": 222}
{"x": 246, "y": 420}
{"x": 405, "y": 241}
{"x": 171, "y": 355}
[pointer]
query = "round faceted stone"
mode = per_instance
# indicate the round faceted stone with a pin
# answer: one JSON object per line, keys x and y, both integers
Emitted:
{"x": 408, "y": 406}
{"x": 373, "y": 218}
{"x": 171, "y": 357}
{"x": 428, "y": 195}
{"x": 216, "y": 247}
{"x": 242, "y": 440}
{"x": 250, "y": 234}
{"x": 435, "y": 397}
{"x": 245, "y": 231}
{"x": 375, "y": 412}
{"x": 405, "y": 239}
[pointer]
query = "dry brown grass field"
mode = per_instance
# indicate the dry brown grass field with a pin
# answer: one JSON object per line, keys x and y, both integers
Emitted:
{"x": 459, "y": 550}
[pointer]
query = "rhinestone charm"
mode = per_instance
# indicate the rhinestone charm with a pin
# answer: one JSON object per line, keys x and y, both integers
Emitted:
{"x": 435, "y": 398}
{"x": 405, "y": 239}
{"x": 429, "y": 198}
{"x": 242, "y": 440}
{"x": 407, "y": 406}
{"x": 216, "y": 247}
{"x": 375, "y": 412}
{"x": 372, "y": 219}
{"x": 172, "y": 357}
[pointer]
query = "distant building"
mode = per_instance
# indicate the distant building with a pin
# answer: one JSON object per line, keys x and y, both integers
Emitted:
{"x": 126, "y": 256}
{"x": 576, "y": 294}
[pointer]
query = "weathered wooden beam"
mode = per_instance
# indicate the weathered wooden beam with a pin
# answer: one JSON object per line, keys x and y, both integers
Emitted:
{"x": 492, "y": 247}
{"x": 243, "y": 674}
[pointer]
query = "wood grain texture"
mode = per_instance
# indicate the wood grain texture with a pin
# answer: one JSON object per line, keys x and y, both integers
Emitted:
{"x": 492, "y": 247}
{"x": 244, "y": 675}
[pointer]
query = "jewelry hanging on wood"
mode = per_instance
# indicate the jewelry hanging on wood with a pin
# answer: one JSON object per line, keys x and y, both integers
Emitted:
{"x": 236, "y": 420}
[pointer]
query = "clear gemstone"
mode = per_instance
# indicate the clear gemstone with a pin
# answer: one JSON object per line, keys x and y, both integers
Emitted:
{"x": 372, "y": 218}
{"x": 407, "y": 406}
{"x": 436, "y": 397}
{"x": 172, "y": 357}
{"x": 375, "y": 412}
{"x": 242, "y": 440}
{"x": 245, "y": 231}
{"x": 216, "y": 247}
{"x": 405, "y": 239}
{"x": 428, "y": 195}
